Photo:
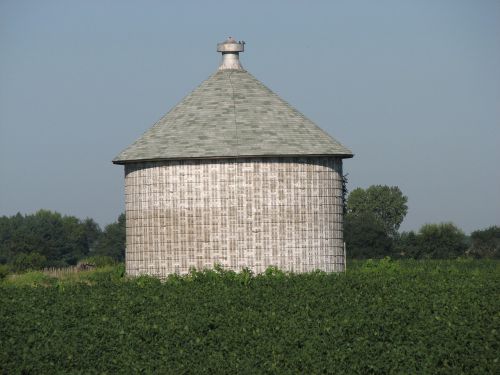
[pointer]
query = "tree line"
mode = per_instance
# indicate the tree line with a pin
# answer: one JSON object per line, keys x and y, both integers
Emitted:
{"x": 49, "y": 239}
{"x": 371, "y": 230}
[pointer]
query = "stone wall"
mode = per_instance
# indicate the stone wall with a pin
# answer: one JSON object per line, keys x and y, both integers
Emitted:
{"x": 252, "y": 212}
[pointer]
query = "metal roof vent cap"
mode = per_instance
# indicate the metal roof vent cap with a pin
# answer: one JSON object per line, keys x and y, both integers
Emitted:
{"x": 230, "y": 54}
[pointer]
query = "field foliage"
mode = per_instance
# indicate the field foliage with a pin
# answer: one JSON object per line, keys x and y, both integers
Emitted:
{"x": 381, "y": 317}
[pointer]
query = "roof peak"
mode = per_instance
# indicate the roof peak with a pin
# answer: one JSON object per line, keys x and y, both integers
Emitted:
{"x": 232, "y": 115}
{"x": 230, "y": 50}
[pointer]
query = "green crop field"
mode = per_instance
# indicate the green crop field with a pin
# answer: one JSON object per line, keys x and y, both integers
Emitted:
{"x": 381, "y": 317}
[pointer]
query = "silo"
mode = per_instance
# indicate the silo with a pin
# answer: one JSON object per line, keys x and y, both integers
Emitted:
{"x": 233, "y": 175}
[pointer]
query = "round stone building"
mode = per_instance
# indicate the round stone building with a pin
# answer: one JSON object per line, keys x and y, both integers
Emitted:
{"x": 233, "y": 175}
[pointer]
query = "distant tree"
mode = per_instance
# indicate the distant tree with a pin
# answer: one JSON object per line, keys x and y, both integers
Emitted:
{"x": 366, "y": 237}
{"x": 80, "y": 237}
{"x": 4, "y": 271}
{"x": 31, "y": 261}
{"x": 92, "y": 232}
{"x": 112, "y": 241}
{"x": 61, "y": 240}
{"x": 440, "y": 241}
{"x": 7, "y": 226}
{"x": 386, "y": 204}
{"x": 407, "y": 245}
{"x": 485, "y": 243}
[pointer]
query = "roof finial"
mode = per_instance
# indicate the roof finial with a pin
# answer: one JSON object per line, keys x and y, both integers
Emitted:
{"x": 230, "y": 53}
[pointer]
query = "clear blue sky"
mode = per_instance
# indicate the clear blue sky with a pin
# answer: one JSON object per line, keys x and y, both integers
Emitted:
{"x": 412, "y": 87}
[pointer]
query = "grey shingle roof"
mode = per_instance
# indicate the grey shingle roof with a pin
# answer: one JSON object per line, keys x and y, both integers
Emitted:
{"x": 231, "y": 114}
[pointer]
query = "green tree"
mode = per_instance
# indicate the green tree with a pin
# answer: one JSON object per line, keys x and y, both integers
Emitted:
{"x": 61, "y": 240}
{"x": 386, "y": 204}
{"x": 440, "y": 241}
{"x": 407, "y": 245}
{"x": 366, "y": 237}
{"x": 4, "y": 271}
{"x": 112, "y": 241}
{"x": 485, "y": 243}
{"x": 31, "y": 261}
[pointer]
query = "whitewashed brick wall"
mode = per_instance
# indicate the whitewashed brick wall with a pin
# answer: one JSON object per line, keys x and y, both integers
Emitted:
{"x": 252, "y": 212}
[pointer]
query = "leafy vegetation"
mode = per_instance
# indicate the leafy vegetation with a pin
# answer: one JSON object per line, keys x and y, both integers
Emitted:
{"x": 373, "y": 219}
{"x": 365, "y": 237}
{"x": 49, "y": 239}
{"x": 381, "y": 317}
{"x": 65, "y": 279}
{"x": 112, "y": 241}
{"x": 486, "y": 243}
{"x": 4, "y": 271}
{"x": 386, "y": 205}
{"x": 98, "y": 261}
{"x": 436, "y": 241}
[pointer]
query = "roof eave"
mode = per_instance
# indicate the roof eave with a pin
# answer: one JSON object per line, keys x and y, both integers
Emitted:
{"x": 130, "y": 161}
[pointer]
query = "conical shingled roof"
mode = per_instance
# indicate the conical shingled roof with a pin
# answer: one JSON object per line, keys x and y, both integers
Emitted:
{"x": 231, "y": 115}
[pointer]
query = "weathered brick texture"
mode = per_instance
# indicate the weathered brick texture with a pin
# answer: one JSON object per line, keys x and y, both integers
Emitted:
{"x": 249, "y": 212}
